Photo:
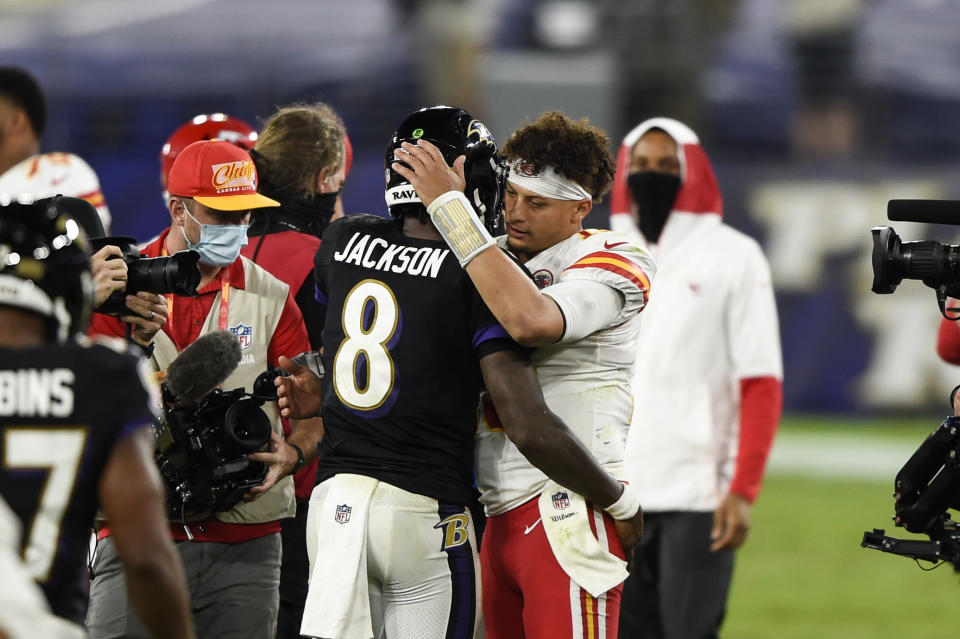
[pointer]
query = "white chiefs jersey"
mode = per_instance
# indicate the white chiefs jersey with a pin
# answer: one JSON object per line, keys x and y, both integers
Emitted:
{"x": 50, "y": 174}
{"x": 586, "y": 382}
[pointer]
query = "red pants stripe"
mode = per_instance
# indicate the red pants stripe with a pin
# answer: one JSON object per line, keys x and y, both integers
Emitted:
{"x": 527, "y": 595}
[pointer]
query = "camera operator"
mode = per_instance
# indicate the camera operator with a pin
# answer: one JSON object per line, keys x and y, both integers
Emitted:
{"x": 233, "y": 558}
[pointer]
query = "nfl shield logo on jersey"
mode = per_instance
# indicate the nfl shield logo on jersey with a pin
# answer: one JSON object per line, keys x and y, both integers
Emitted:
{"x": 561, "y": 501}
{"x": 343, "y": 514}
{"x": 244, "y": 335}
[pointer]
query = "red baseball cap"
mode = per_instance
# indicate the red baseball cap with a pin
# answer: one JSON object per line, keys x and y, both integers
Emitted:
{"x": 219, "y": 175}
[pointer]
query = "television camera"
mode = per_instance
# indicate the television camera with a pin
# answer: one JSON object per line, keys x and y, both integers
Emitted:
{"x": 929, "y": 483}
{"x": 205, "y": 434}
{"x": 936, "y": 264}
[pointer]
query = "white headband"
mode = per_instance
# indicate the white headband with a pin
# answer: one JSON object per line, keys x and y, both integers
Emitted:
{"x": 546, "y": 182}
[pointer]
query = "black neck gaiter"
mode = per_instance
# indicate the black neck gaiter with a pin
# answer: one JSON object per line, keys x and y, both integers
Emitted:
{"x": 305, "y": 212}
{"x": 654, "y": 194}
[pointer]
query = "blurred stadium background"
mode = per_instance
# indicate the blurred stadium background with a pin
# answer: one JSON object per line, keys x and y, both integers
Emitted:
{"x": 815, "y": 113}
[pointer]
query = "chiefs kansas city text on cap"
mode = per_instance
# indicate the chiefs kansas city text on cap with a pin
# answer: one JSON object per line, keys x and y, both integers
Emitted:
{"x": 218, "y": 175}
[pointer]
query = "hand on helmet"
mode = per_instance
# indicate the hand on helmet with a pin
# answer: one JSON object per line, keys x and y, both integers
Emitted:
{"x": 427, "y": 171}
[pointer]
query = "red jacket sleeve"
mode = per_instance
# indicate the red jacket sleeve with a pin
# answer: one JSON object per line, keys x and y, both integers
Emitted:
{"x": 101, "y": 324}
{"x": 290, "y": 336}
{"x": 761, "y": 401}
{"x": 948, "y": 341}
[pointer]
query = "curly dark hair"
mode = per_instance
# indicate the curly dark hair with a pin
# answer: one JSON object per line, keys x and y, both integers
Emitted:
{"x": 575, "y": 149}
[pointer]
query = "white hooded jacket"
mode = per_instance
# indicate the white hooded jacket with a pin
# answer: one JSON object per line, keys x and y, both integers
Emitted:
{"x": 709, "y": 330}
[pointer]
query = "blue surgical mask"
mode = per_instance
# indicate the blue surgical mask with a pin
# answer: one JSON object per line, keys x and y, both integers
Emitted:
{"x": 219, "y": 244}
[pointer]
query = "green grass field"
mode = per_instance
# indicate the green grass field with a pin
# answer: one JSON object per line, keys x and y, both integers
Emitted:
{"x": 802, "y": 573}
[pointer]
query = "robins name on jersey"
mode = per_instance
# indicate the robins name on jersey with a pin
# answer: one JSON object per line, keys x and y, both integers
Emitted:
{"x": 377, "y": 253}
{"x": 36, "y": 392}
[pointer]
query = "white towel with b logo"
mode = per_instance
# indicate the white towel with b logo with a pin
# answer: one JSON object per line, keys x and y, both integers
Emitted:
{"x": 338, "y": 603}
{"x": 566, "y": 522}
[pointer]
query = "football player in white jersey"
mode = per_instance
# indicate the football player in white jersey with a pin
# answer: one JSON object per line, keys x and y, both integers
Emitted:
{"x": 552, "y": 563}
{"x": 23, "y": 169}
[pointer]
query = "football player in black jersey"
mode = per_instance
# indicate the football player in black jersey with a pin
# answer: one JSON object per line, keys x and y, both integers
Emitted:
{"x": 75, "y": 426}
{"x": 408, "y": 346}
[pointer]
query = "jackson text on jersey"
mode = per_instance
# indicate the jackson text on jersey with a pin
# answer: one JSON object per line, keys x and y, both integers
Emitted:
{"x": 378, "y": 254}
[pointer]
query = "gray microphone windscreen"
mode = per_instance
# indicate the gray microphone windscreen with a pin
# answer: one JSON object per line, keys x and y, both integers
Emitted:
{"x": 203, "y": 365}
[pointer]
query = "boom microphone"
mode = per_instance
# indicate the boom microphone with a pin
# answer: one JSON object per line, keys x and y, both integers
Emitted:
{"x": 931, "y": 211}
{"x": 203, "y": 366}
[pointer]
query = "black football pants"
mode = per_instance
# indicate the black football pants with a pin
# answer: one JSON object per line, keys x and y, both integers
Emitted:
{"x": 678, "y": 588}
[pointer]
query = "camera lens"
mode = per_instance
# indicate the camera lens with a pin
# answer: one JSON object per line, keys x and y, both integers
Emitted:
{"x": 246, "y": 426}
{"x": 177, "y": 274}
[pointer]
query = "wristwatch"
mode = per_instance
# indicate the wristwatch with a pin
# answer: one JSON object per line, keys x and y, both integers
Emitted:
{"x": 300, "y": 459}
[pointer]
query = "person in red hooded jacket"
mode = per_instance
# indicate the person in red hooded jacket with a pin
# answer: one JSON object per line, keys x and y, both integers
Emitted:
{"x": 707, "y": 384}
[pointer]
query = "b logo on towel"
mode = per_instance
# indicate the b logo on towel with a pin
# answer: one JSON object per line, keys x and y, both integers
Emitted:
{"x": 560, "y": 501}
{"x": 343, "y": 514}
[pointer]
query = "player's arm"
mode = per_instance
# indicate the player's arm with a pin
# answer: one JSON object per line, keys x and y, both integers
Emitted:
{"x": 546, "y": 441}
{"x": 531, "y": 318}
{"x": 132, "y": 497}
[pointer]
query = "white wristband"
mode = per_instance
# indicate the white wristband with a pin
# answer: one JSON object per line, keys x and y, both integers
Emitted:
{"x": 627, "y": 506}
{"x": 461, "y": 228}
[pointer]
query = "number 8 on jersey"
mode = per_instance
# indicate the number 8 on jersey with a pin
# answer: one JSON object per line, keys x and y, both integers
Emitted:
{"x": 363, "y": 368}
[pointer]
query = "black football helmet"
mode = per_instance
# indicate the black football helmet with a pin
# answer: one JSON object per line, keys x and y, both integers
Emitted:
{"x": 455, "y": 132}
{"x": 45, "y": 263}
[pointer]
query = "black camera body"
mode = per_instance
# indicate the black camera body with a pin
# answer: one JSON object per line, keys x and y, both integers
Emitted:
{"x": 202, "y": 448}
{"x": 177, "y": 273}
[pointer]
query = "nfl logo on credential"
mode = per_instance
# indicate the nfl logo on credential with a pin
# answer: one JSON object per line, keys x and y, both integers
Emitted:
{"x": 342, "y": 515}
{"x": 244, "y": 335}
{"x": 560, "y": 501}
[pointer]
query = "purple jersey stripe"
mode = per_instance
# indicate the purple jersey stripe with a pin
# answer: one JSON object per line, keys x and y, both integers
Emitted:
{"x": 319, "y": 296}
{"x": 493, "y": 331}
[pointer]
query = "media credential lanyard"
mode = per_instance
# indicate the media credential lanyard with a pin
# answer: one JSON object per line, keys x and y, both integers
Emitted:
{"x": 224, "y": 300}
